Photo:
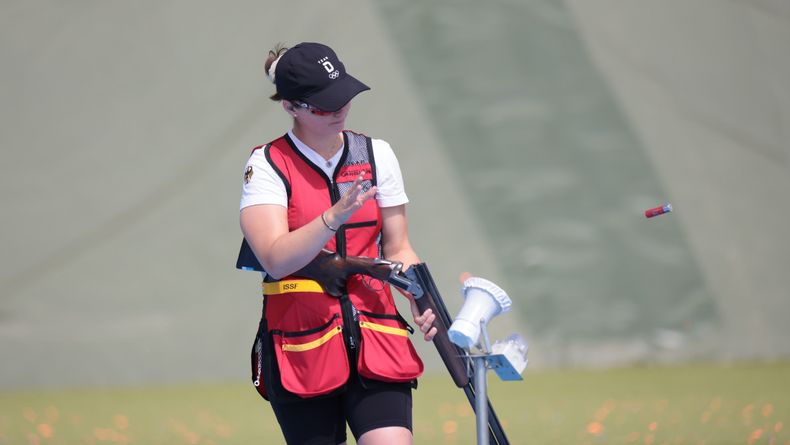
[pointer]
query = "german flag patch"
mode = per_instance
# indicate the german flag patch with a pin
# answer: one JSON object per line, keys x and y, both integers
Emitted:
{"x": 248, "y": 175}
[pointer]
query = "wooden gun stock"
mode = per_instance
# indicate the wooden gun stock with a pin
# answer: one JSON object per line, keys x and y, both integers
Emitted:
{"x": 331, "y": 270}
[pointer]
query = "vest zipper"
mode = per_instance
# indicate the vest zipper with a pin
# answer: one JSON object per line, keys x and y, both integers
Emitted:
{"x": 349, "y": 312}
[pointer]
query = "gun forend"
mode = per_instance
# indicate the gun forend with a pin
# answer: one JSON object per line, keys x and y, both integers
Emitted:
{"x": 454, "y": 358}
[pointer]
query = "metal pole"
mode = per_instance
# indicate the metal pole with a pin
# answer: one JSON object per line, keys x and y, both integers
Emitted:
{"x": 481, "y": 401}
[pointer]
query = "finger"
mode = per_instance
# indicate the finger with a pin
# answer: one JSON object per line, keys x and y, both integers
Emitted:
{"x": 420, "y": 318}
{"x": 430, "y": 320}
{"x": 428, "y": 323}
{"x": 356, "y": 187}
{"x": 360, "y": 197}
{"x": 430, "y": 334}
{"x": 368, "y": 195}
{"x": 352, "y": 195}
{"x": 357, "y": 196}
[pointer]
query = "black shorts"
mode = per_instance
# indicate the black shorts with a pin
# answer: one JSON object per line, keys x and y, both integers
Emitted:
{"x": 322, "y": 421}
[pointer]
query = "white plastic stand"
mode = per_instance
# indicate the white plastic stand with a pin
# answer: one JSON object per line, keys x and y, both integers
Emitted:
{"x": 483, "y": 301}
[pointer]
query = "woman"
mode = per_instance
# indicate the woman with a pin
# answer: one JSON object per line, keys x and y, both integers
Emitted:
{"x": 320, "y": 360}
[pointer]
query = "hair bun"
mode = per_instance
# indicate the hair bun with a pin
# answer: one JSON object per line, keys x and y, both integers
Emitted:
{"x": 271, "y": 71}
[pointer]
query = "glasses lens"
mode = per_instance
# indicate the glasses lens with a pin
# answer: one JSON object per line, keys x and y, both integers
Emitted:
{"x": 312, "y": 109}
{"x": 318, "y": 112}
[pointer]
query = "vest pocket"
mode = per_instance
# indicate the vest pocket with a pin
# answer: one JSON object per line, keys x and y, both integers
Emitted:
{"x": 386, "y": 353}
{"x": 314, "y": 361}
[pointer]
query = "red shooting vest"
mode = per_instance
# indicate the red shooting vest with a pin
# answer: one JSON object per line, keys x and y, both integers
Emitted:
{"x": 315, "y": 336}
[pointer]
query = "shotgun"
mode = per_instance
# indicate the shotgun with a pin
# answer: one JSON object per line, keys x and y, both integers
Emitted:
{"x": 331, "y": 271}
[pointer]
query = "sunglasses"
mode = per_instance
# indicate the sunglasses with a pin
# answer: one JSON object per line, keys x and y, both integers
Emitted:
{"x": 312, "y": 109}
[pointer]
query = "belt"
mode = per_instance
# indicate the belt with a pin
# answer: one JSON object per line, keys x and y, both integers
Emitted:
{"x": 288, "y": 286}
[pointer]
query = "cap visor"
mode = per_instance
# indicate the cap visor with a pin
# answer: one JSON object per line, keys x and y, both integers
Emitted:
{"x": 339, "y": 93}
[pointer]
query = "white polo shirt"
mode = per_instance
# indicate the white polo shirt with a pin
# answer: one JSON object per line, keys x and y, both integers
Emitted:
{"x": 262, "y": 185}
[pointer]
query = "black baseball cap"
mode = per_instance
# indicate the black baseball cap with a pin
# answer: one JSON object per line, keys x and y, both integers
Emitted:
{"x": 312, "y": 73}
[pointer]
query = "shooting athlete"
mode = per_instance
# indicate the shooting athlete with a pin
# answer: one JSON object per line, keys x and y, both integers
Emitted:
{"x": 323, "y": 360}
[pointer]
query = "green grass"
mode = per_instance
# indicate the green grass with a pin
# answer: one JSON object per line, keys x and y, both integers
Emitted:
{"x": 696, "y": 404}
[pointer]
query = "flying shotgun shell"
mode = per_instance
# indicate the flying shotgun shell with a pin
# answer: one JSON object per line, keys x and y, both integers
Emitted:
{"x": 660, "y": 210}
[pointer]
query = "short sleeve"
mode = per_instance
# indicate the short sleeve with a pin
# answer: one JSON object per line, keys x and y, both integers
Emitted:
{"x": 391, "y": 190}
{"x": 261, "y": 184}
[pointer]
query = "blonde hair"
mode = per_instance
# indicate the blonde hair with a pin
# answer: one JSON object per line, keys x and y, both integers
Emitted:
{"x": 271, "y": 64}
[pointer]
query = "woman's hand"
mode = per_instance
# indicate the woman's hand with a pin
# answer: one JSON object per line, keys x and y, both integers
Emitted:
{"x": 424, "y": 321}
{"x": 353, "y": 200}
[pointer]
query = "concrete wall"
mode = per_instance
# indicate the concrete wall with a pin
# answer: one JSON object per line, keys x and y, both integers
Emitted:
{"x": 705, "y": 87}
{"x": 125, "y": 126}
